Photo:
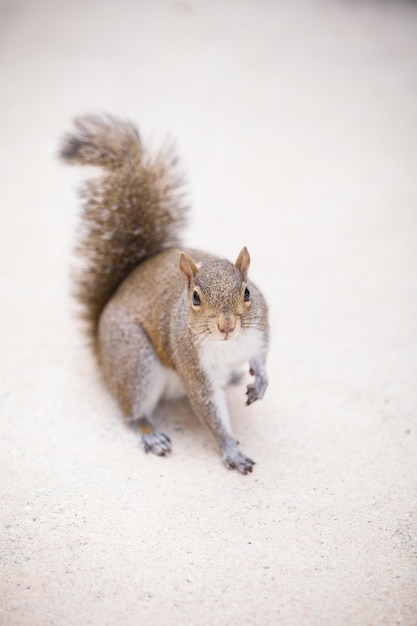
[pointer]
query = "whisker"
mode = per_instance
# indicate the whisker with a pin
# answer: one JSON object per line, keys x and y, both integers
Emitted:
{"x": 257, "y": 325}
{"x": 201, "y": 336}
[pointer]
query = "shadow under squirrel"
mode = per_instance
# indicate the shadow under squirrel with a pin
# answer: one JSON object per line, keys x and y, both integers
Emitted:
{"x": 165, "y": 320}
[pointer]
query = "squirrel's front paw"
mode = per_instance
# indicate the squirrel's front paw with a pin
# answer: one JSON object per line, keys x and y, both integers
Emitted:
{"x": 252, "y": 393}
{"x": 156, "y": 442}
{"x": 237, "y": 460}
{"x": 256, "y": 390}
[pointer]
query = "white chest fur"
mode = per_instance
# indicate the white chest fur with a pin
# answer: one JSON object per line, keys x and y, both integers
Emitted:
{"x": 218, "y": 358}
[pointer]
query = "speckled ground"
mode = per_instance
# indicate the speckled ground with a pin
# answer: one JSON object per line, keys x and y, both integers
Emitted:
{"x": 297, "y": 127}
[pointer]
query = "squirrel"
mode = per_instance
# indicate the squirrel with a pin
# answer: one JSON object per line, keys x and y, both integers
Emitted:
{"x": 164, "y": 320}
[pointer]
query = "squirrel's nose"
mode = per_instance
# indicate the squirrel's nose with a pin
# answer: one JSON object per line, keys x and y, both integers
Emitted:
{"x": 226, "y": 324}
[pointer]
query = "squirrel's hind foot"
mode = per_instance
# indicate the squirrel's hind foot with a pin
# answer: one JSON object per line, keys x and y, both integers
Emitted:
{"x": 156, "y": 442}
{"x": 153, "y": 440}
{"x": 236, "y": 377}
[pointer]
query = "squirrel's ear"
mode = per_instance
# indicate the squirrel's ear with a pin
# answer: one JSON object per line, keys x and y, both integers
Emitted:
{"x": 187, "y": 267}
{"x": 243, "y": 261}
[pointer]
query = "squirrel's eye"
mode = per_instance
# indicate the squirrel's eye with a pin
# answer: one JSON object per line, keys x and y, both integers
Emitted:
{"x": 196, "y": 299}
{"x": 246, "y": 295}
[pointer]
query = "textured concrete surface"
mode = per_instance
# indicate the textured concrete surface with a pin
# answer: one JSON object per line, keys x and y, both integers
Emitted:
{"x": 297, "y": 127}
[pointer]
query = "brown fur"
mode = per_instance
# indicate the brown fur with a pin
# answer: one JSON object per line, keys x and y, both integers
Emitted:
{"x": 130, "y": 213}
{"x": 163, "y": 319}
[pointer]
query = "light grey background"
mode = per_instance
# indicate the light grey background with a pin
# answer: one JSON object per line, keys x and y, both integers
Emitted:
{"x": 296, "y": 123}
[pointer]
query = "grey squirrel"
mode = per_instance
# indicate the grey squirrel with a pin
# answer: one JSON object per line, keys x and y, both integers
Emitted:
{"x": 164, "y": 320}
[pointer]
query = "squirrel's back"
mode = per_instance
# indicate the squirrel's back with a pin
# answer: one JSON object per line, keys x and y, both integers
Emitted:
{"x": 133, "y": 211}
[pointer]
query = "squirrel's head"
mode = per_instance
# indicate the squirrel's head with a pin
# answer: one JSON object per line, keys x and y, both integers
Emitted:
{"x": 218, "y": 296}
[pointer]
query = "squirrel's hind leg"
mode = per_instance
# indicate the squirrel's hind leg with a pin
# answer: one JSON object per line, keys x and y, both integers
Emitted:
{"x": 149, "y": 387}
{"x": 134, "y": 373}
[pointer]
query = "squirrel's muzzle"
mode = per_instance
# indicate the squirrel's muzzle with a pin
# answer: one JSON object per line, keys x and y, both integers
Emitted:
{"x": 226, "y": 323}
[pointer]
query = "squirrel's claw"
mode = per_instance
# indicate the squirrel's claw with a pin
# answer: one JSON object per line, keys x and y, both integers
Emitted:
{"x": 156, "y": 442}
{"x": 252, "y": 393}
{"x": 239, "y": 461}
{"x": 256, "y": 390}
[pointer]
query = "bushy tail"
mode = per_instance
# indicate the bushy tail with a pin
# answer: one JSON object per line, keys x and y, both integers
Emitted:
{"x": 130, "y": 213}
